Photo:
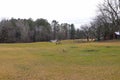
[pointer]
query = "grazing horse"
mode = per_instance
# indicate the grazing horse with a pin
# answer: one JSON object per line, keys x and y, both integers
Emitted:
{"x": 58, "y": 42}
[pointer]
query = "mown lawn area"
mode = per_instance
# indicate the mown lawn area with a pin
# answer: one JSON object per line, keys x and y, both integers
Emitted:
{"x": 67, "y": 61}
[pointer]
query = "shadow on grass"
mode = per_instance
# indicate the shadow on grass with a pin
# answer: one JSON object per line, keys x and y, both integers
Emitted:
{"x": 90, "y": 50}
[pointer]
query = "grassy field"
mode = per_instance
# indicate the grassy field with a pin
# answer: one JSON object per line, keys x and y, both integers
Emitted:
{"x": 67, "y": 61}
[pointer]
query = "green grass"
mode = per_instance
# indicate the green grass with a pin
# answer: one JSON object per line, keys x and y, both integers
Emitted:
{"x": 67, "y": 61}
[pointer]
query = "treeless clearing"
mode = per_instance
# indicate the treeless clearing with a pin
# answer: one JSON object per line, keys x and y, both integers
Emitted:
{"x": 48, "y": 61}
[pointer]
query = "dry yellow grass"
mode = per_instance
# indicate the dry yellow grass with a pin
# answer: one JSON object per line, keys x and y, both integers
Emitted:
{"x": 68, "y": 61}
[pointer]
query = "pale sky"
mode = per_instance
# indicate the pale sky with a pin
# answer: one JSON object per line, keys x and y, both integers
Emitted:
{"x": 77, "y": 12}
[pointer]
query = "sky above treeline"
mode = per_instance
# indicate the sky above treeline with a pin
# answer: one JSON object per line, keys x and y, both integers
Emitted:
{"x": 78, "y": 12}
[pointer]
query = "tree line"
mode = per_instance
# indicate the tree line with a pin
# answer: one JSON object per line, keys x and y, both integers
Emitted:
{"x": 106, "y": 23}
{"x": 28, "y": 30}
{"x": 103, "y": 27}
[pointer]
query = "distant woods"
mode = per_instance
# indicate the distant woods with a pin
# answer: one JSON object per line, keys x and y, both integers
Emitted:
{"x": 27, "y": 30}
{"x": 103, "y": 27}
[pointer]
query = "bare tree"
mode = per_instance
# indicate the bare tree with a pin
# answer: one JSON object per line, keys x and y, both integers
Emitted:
{"x": 86, "y": 31}
{"x": 110, "y": 9}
